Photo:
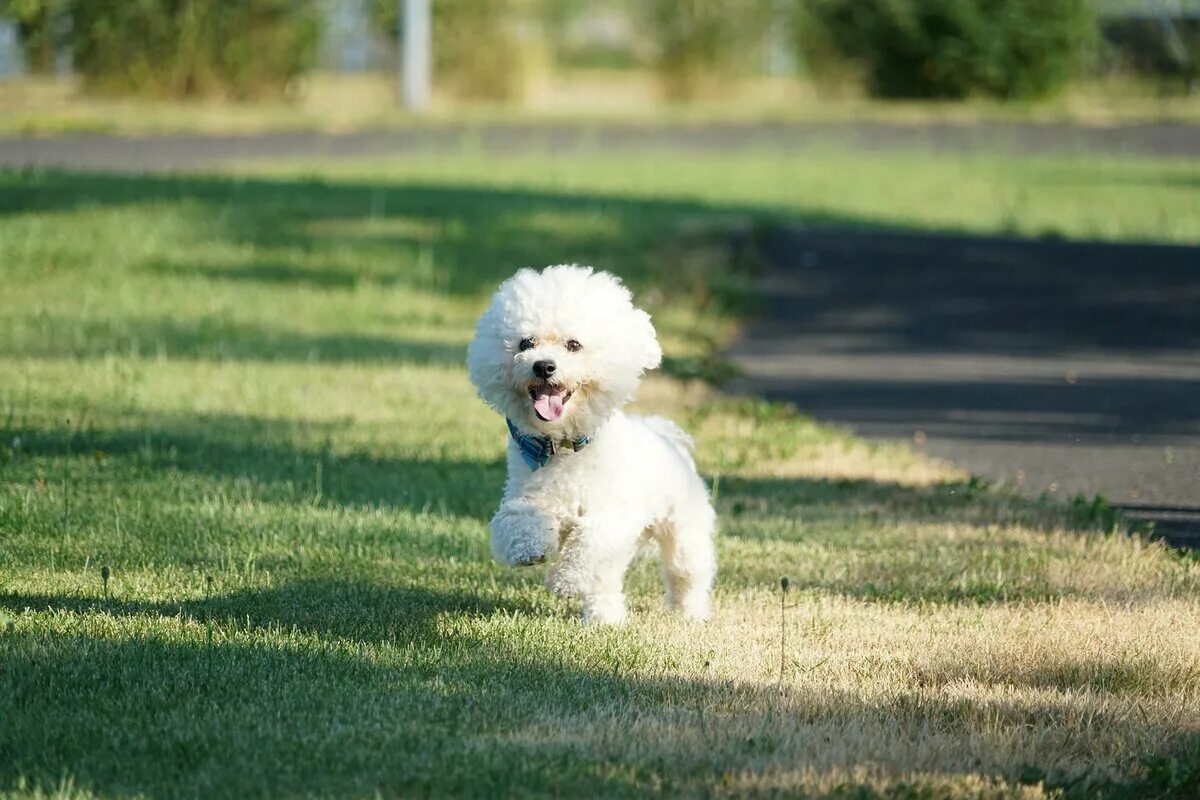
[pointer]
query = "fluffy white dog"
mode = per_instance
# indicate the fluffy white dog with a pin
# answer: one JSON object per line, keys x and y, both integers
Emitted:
{"x": 558, "y": 353}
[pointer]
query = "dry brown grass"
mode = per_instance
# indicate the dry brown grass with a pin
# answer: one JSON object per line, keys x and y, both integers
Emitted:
{"x": 886, "y": 694}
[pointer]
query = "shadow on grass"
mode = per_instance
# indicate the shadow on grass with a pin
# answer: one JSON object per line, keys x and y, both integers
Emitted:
{"x": 468, "y": 238}
{"x": 272, "y": 273}
{"x": 283, "y": 462}
{"x": 330, "y": 609}
{"x": 958, "y": 542}
{"x": 160, "y": 707}
{"x": 222, "y": 340}
{"x": 153, "y": 717}
{"x": 972, "y": 502}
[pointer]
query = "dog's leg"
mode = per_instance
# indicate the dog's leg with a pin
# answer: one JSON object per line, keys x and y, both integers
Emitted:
{"x": 522, "y": 534}
{"x": 689, "y": 561}
{"x": 592, "y": 566}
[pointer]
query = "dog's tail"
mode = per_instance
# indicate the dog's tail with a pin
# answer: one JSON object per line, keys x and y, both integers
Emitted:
{"x": 675, "y": 435}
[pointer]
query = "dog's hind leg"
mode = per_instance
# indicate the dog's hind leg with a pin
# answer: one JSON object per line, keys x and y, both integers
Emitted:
{"x": 689, "y": 561}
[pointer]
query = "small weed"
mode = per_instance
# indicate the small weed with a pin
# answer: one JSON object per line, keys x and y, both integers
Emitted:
{"x": 1093, "y": 512}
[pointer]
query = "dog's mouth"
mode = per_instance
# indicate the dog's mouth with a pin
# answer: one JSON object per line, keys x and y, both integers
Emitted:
{"x": 549, "y": 399}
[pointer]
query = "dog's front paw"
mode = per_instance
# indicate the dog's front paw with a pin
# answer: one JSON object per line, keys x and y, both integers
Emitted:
{"x": 521, "y": 535}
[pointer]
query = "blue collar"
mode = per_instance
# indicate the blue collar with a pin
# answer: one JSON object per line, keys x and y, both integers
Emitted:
{"x": 537, "y": 450}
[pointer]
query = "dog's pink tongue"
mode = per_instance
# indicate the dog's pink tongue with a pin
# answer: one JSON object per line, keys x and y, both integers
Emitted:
{"x": 548, "y": 405}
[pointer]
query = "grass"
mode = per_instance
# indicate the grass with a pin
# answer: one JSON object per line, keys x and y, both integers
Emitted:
{"x": 244, "y": 487}
{"x": 343, "y": 102}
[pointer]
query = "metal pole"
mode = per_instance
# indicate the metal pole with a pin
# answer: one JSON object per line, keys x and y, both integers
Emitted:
{"x": 416, "y": 33}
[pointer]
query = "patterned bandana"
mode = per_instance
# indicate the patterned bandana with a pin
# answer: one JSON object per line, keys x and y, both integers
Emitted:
{"x": 537, "y": 450}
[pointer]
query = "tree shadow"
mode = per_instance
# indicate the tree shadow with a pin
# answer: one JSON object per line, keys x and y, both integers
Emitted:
{"x": 271, "y": 273}
{"x": 475, "y": 236}
{"x": 218, "y": 339}
{"x": 1082, "y": 410}
{"x": 273, "y": 461}
{"x": 239, "y": 715}
{"x": 972, "y": 502}
{"x": 329, "y": 608}
{"x": 894, "y": 292}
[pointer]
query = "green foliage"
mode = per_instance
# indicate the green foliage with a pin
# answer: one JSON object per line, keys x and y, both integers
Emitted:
{"x": 186, "y": 48}
{"x": 702, "y": 44}
{"x": 949, "y": 48}
{"x": 476, "y": 51}
{"x": 1174, "y": 776}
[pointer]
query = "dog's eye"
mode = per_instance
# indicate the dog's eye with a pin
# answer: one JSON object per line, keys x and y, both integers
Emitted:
{"x": 526, "y": 344}
{"x": 574, "y": 346}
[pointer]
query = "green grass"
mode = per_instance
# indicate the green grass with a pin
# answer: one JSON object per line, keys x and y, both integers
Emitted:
{"x": 241, "y": 397}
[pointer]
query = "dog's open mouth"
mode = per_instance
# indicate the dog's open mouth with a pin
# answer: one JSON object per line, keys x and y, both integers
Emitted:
{"x": 548, "y": 400}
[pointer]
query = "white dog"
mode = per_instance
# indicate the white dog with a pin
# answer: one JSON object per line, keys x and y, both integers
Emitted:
{"x": 558, "y": 353}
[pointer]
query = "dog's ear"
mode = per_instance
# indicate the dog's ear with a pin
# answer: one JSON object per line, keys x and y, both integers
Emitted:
{"x": 645, "y": 348}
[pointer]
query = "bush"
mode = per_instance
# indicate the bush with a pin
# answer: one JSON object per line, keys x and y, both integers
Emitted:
{"x": 949, "y": 48}
{"x": 476, "y": 52}
{"x": 702, "y": 44}
{"x": 186, "y": 48}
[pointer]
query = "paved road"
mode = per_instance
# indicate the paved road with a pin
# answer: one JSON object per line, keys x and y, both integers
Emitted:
{"x": 158, "y": 153}
{"x": 1051, "y": 366}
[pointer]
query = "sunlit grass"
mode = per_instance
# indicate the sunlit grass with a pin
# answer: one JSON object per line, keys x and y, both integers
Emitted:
{"x": 1084, "y": 196}
{"x": 244, "y": 398}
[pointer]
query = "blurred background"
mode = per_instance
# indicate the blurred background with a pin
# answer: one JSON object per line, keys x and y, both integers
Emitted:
{"x": 337, "y": 64}
{"x": 927, "y": 278}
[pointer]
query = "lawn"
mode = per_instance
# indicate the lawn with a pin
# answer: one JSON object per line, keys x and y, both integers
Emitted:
{"x": 244, "y": 487}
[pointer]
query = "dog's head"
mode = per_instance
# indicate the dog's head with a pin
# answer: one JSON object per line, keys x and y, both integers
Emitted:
{"x": 558, "y": 350}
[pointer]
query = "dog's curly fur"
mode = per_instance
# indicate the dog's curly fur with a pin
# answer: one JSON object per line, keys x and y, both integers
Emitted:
{"x": 635, "y": 479}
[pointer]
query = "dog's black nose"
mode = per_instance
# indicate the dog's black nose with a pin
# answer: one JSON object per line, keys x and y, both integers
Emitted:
{"x": 544, "y": 369}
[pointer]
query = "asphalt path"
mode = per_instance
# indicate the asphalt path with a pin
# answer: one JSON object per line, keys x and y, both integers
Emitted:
{"x": 191, "y": 152}
{"x": 1058, "y": 367}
